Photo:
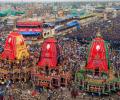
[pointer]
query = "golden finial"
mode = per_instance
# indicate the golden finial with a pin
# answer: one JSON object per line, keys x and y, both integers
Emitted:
{"x": 15, "y": 30}
{"x": 98, "y": 33}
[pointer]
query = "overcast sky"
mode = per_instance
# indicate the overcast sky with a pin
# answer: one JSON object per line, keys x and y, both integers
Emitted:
{"x": 51, "y": 0}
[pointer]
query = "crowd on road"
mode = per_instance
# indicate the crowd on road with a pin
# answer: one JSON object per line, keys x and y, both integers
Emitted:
{"x": 108, "y": 28}
{"x": 75, "y": 48}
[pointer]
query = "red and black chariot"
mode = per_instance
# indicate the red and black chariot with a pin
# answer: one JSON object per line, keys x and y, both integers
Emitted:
{"x": 48, "y": 72}
{"x": 98, "y": 75}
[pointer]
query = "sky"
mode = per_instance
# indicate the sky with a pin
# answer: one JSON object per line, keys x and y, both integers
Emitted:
{"x": 51, "y": 0}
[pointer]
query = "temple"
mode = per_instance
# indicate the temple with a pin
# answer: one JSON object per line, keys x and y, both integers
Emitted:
{"x": 15, "y": 54}
{"x": 97, "y": 60}
{"x": 48, "y": 73}
{"x": 98, "y": 75}
{"x": 15, "y": 48}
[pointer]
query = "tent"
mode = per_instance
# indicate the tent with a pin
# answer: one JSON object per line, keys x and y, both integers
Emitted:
{"x": 4, "y": 13}
{"x": 98, "y": 55}
{"x": 10, "y": 12}
{"x": 14, "y": 13}
{"x": 15, "y": 47}
{"x": 74, "y": 12}
{"x": 48, "y": 54}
